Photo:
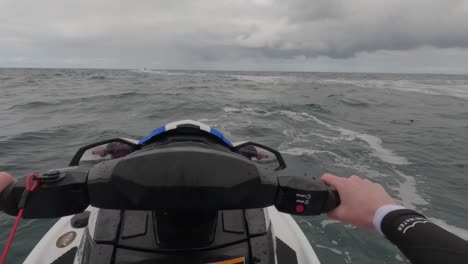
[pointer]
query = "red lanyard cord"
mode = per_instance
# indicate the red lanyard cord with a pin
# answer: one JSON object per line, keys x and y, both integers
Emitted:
{"x": 29, "y": 188}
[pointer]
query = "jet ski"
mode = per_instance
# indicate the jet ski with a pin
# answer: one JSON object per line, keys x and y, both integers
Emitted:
{"x": 182, "y": 194}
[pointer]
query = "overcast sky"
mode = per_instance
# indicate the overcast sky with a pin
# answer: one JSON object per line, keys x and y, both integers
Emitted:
{"x": 294, "y": 35}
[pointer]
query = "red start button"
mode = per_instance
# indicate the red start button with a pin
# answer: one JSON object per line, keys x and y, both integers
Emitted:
{"x": 299, "y": 208}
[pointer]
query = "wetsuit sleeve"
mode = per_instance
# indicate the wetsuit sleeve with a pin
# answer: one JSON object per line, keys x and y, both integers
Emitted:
{"x": 422, "y": 241}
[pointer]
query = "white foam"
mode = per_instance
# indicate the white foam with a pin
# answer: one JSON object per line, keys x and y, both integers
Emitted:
{"x": 408, "y": 192}
{"x": 347, "y": 257}
{"x": 399, "y": 258}
{"x": 338, "y": 160}
{"x": 449, "y": 89}
{"x": 324, "y": 223}
{"x": 374, "y": 142}
{"x": 169, "y": 72}
{"x": 249, "y": 111}
{"x": 328, "y": 139}
{"x": 382, "y": 153}
{"x": 208, "y": 120}
{"x": 231, "y": 109}
{"x": 334, "y": 250}
{"x": 306, "y": 222}
{"x": 296, "y": 115}
{"x": 264, "y": 79}
{"x": 306, "y": 151}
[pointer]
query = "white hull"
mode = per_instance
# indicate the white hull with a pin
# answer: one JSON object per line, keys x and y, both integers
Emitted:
{"x": 286, "y": 229}
{"x": 46, "y": 251}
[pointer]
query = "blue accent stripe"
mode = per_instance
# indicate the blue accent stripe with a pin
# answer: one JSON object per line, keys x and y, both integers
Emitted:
{"x": 220, "y": 136}
{"x": 154, "y": 133}
{"x": 162, "y": 129}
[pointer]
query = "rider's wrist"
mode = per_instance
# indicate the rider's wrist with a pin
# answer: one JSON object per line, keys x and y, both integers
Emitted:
{"x": 381, "y": 213}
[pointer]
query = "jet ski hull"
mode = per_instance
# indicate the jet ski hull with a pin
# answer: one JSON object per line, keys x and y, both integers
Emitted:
{"x": 290, "y": 244}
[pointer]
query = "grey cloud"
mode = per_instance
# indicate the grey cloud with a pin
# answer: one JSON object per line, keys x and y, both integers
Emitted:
{"x": 299, "y": 11}
{"x": 211, "y": 31}
{"x": 367, "y": 26}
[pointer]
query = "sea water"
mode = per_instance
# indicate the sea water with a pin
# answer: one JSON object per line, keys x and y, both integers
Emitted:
{"x": 406, "y": 132}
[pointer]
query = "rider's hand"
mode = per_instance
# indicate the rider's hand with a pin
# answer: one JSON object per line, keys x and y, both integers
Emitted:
{"x": 5, "y": 179}
{"x": 359, "y": 199}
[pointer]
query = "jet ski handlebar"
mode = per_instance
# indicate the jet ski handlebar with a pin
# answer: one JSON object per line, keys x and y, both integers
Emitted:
{"x": 184, "y": 175}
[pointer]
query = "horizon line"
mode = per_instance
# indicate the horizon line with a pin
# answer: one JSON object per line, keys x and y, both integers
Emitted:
{"x": 231, "y": 70}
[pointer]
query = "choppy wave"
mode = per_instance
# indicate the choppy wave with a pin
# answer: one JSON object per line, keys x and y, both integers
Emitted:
{"x": 67, "y": 101}
{"x": 261, "y": 78}
{"x": 97, "y": 77}
{"x": 436, "y": 86}
{"x": 32, "y": 105}
{"x": 42, "y": 136}
{"x": 447, "y": 89}
{"x": 170, "y": 72}
{"x": 373, "y": 142}
{"x": 406, "y": 186}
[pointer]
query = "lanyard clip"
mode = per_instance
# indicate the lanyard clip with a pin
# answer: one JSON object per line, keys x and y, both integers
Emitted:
{"x": 32, "y": 182}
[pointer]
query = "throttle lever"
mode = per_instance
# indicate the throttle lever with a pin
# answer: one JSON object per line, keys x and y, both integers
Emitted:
{"x": 305, "y": 196}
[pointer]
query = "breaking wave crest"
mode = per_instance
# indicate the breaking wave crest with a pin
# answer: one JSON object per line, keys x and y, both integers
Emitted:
{"x": 373, "y": 142}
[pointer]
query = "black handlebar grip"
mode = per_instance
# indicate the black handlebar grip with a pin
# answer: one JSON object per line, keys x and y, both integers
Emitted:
{"x": 305, "y": 196}
{"x": 332, "y": 201}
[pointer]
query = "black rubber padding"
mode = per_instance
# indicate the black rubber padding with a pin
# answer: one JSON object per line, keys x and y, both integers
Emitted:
{"x": 134, "y": 224}
{"x": 109, "y": 223}
{"x": 255, "y": 220}
{"x": 233, "y": 221}
{"x": 67, "y": 258}
{"x": 262, "y": 249}
{"x": 284, "y": 253}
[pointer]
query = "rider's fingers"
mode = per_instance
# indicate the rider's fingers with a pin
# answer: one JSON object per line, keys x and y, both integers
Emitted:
{"x": 332, "y": 180}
